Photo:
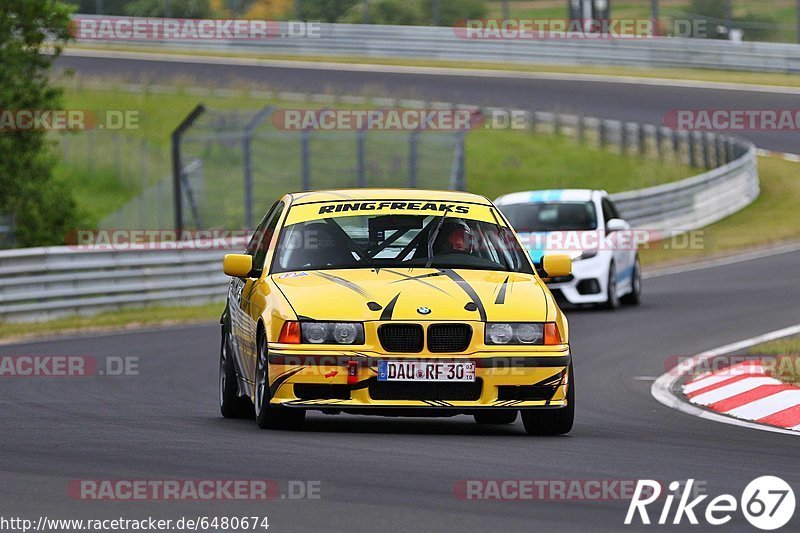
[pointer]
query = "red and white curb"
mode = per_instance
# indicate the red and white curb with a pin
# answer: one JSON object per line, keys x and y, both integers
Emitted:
{"x": 747, "y": 392}
{"x": 736, "y": 395}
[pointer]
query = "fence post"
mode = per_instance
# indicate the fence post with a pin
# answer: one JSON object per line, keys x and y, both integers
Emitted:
{"x": 692, "y": 149}
{"x": 362, "y": 159}
{"x": 305, "y": 141}
{"x": 145, "y": 170}
{"x": 643, "y": 139}
{"x": 581, "y": 128}
{"x": 117, "y": 157}
{"x": 177, "y": 166}
{"x": 623, "y": 138}
{"x": 413, "y": 139}
{"x": 601, "y": 133}
{"x": 461, "y": 183}
{"x": 458, "y": 174}
{"x": 660, "y": 142}
{"x": 90, "y": 135}
{"x": 556, "y": 124}
{"x": 706, "y": 155}
{"x": 676, "y": 144}
{"x": 247, "y": 164}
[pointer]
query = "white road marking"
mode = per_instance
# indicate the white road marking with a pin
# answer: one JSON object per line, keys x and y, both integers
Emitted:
{"x": 767, "y": 406}
{"x": 662, "y": 388}
{"x": 723, "y": 261}
{"x": 708, "y": 379}
{"x": 733, "y": 389}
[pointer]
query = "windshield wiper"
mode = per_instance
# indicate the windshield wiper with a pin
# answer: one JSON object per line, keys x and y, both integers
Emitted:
{"x": 432, "y": 237}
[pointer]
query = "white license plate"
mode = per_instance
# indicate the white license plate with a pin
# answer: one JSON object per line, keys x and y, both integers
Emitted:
{"x": 426, "y": 371}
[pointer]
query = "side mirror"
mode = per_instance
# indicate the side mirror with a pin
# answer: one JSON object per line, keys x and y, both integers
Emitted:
{"x": 617, "y": 224}
{"x": 557, "y": 265}
{"x": 237, "y": 265}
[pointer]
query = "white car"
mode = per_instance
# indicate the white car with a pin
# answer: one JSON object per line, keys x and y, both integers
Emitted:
{"x": 585, "y": 224}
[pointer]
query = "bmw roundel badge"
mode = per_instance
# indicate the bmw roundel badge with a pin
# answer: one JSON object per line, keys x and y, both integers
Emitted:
{"x": 424, "y": 310}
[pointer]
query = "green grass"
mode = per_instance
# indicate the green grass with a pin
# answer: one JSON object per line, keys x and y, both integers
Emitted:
{"x": 786, "y": 363}
{"x": 500, "y": 162}
{"x": 773, "y": 218}
{"x": 114, "y": 320}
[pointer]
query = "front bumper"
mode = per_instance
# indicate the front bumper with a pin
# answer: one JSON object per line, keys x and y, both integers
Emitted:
{"x": 504, "y": 380}
{"x": 588, "y": 283}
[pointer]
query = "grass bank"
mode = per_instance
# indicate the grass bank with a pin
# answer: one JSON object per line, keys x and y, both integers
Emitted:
{"x": 786, "y": 363}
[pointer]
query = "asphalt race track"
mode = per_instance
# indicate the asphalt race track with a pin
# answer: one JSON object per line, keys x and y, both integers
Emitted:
{"x": 380, "y": 474}
{"x": 633, "y": 102}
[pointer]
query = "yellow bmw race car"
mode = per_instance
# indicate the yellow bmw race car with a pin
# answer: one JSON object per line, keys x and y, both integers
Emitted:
{"x": 396, "y": 303}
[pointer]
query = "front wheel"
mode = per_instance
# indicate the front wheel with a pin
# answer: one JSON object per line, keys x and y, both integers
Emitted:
{"x": 612, "y": 295}
{"x": 552, "y": 421}
{"x": 270, "y": 416}
{"x": 635, "y": 296}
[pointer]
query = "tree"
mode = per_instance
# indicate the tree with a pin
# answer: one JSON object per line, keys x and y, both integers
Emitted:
{"x": 325, "y": 10}
{"x": 400, "y": 12}
{"x": 43, "y": 208}
{"x": 190, "y": 9}
{"x": 270, "y": 9}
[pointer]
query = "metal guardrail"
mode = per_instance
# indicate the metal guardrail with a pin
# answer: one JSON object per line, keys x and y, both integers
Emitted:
{"x": 43, "y": 283}
{"x": 437, "y": 43}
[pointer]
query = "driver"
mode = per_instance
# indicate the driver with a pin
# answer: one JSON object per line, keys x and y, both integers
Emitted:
{"x": 455, "y": 237}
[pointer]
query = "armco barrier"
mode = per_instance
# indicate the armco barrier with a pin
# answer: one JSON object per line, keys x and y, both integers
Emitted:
{"x": 437, "y": 43}
{"x": 43, "y": 283}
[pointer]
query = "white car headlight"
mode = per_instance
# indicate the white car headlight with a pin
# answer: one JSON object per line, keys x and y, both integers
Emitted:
{"x": 583, "y": 254}
{"x": 521, "y": 333}
{"x": 332, "y": 332}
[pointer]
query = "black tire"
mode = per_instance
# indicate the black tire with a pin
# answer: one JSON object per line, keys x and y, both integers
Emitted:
{"x": 612, "y": 295}
{"x": 231, "y": 404}
{"x": 269, "y": 416}
{"x": 501, "y": 416}
{"x": 635, "y": 296}
{"x": 552, "y": 421}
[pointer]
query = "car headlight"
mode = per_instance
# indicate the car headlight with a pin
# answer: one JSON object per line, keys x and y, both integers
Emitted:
{"x": 583, "y": 254}
{"x": 332, "y": 332}
{"x": 518, "y": 333}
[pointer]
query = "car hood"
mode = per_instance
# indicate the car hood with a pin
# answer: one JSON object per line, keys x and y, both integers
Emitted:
{"x": 408, "y": 294}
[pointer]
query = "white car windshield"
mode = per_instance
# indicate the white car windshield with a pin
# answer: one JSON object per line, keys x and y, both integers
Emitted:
{"x": 551, "y": 216}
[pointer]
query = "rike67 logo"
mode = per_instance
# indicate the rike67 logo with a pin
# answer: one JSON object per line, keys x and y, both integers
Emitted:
{"x": 767, "y": 502}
